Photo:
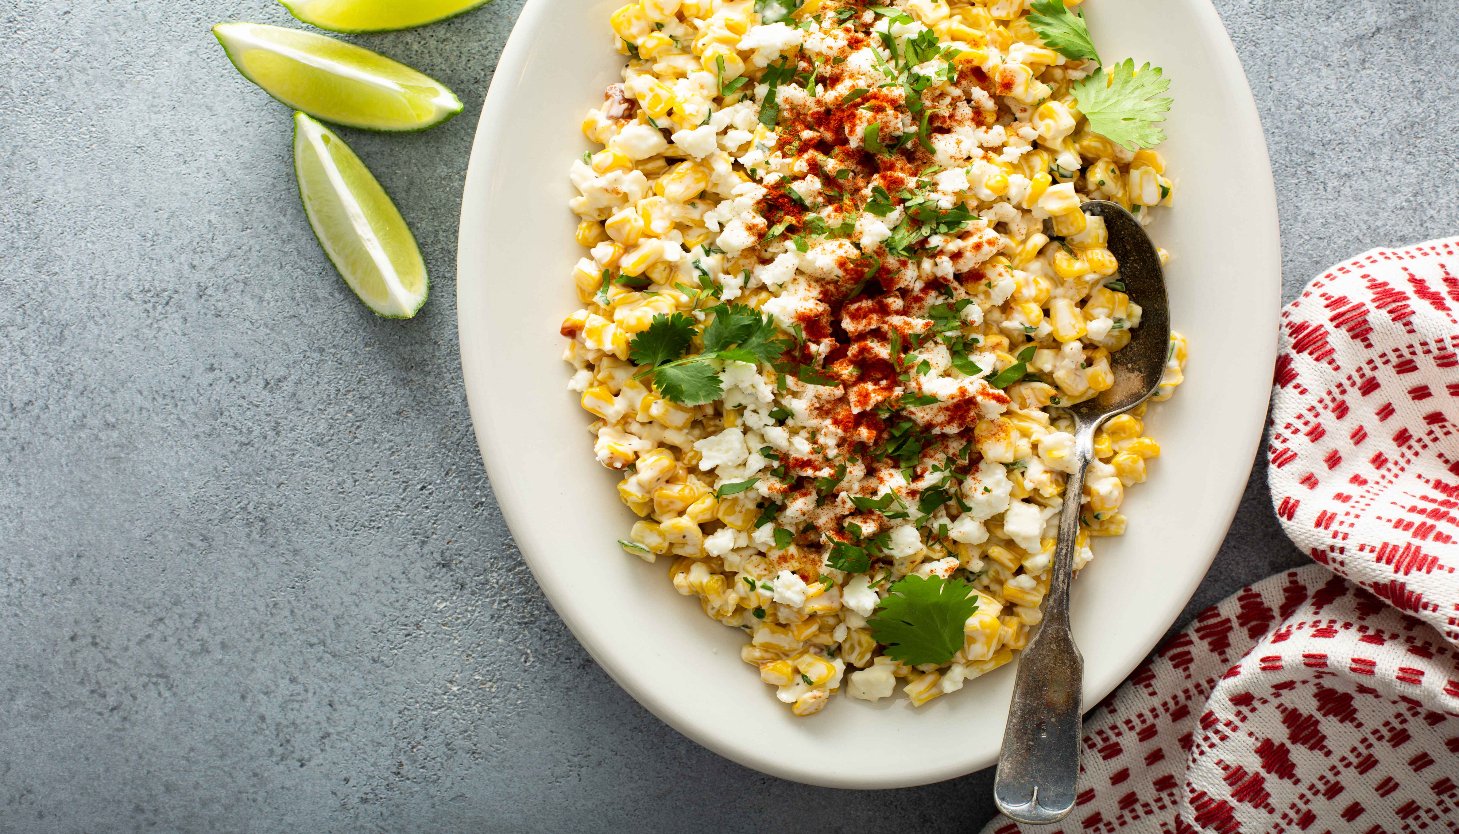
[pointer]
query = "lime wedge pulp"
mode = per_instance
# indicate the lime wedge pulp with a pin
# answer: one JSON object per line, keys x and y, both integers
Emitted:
{"x": 359, "y": 227}
{"x": 376, "y": 15}
{"x": 336, "y": 81}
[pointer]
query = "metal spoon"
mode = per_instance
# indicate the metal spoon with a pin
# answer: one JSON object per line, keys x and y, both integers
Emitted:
{"x": 1040, "y": 758}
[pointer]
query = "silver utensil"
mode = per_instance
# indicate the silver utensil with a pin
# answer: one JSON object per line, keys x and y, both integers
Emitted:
{"x": 1040, "y": 757}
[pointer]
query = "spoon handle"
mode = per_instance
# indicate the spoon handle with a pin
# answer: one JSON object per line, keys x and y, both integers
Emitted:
{"x": 1040, "y": 759}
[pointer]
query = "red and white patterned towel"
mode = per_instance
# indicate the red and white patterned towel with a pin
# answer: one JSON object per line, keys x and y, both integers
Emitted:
{"x": 1305, "y": 702}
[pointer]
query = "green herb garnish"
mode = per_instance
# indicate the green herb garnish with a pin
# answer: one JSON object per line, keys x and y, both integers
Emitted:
{"x": 920, "y": 620}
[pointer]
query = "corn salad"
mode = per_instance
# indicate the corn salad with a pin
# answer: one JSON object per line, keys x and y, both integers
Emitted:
{"x": 894, "y": 193}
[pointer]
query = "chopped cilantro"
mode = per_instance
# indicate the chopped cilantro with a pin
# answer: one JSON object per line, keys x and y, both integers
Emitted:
{"x": 735, "y": 488}
{"x": 634, "y": 547}
{"x": 848, "y": 557}
{"x": 871, "y": 139}
{"x": 1014, "y": 372}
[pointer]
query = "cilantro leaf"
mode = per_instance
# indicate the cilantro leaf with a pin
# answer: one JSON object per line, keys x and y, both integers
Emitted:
{"x": 783, "y": 538}
{"x": 731, "y": 324}
{"x": 1062, "y": 30}
{"x": 693, "y": 383}
{"x": 920, "y": 620}
{"x": 735, "y": 488}
{"x": 774, "y": 11}
{"x": 965, "y": 364}
{"x": 770, "y": 106}
{"x": 666, "y": 339}
{"x": 1124, "y": 105}
{"x": 1014, "y": 372}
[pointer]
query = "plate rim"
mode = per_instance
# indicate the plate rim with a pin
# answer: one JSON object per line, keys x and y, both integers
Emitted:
{"x": 517, "y": 512}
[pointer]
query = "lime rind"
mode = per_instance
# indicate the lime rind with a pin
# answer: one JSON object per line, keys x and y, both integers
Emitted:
{"x": 324, "y": 72}
{"x": 373, "y": 248}
{"x": 300, "y": 9}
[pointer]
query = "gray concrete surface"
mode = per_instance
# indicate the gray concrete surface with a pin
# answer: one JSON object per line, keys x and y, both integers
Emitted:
{"x": 252, "y": 577}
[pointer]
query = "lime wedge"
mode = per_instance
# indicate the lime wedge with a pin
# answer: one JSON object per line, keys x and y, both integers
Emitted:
{"x": 336, "y": 81}
{"x": 376, "y": 15}
{"x": 359, "y": 227}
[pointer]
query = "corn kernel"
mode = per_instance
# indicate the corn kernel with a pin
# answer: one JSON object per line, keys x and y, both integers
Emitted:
{"x": 656, "y": 100}
{"x": 1123, "y": 427}
{"x": 733, "y": 64}
{"x": 1028, "y": 250}
{"x": 654, "y": 467}
{"x": 684, "y": 536}
{"x": 654, "y": 45}
{"x": 924, "y": 687}
{"x": 673, "y": 499}
{"x": 1112, "y": 524}
{"x": 647, "y": 534}
{"x": 777, "y": 672}
{"x": 1068, "y": 265}
{"x": 810, "y": 703}
{"x": 1003, "y": 556}
{"x": 1067, "y": 321}
{"x": 638, "y": 259}
{"x": 1106, "y": 494}
{"x": 1145, "y": 447}
{"x": 589, "y": 234}
{"x": 625, "y": 226}
{"x": 599, "y": 401}
{"x": 738, "y": 512}
{"x": 669, "y": 415}
{"x": 683, "y": 182}
{"x": 703, "y": 509}
{"x": 928, "y": 12}
{"x": 1150, "y": 159}
{"x": 1130, "y": 468}
{"x": 629, "y": 22}
{"x": 610, "y": 159}
{"x": 1144, "y": 184}
{"x": 1070, "y": 223}
{"x": 818, "y": 669}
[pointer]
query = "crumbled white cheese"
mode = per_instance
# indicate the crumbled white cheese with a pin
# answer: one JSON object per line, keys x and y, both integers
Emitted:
{"x": 905, "y": 542}
{"x": 968, "y": 530}
{"x": 698, "y": 143}
{"x": 640, "y": 141}
{"x": 1024, "y": 523}
{"x": 720, "y": 542}
{"x": 858, "y": 595}
{"x": 987, "y": 490}
{"x": 874, "y": 683}
{"x": 770, "y": 42}
{"x": 724, "y": 449}
{"x": 790, "y": 589}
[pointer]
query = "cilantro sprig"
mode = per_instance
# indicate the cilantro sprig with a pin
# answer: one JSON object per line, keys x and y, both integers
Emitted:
{"x": 1125, "y": 105}
{"x": 921, "y": 618}
{"x": 1122, "y": 104}
{"x": 1063, "y": 31}
{"x": 734, "y": 332}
